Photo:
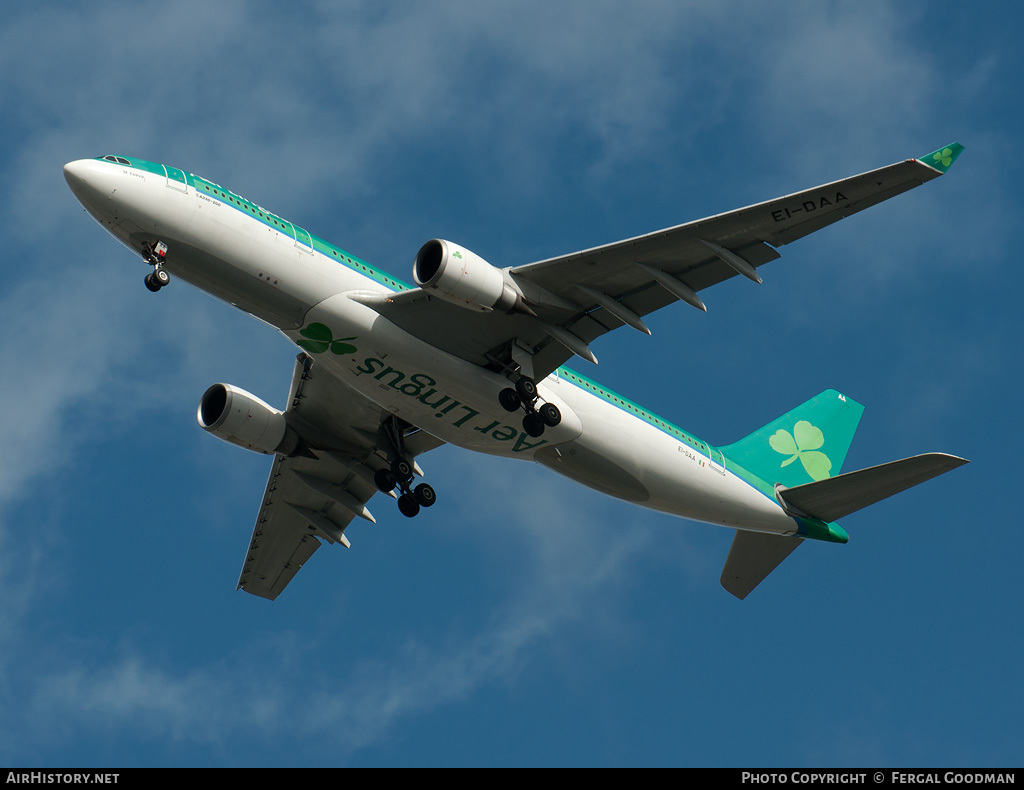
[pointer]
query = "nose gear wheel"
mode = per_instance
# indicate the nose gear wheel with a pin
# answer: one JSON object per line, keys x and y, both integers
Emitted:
{"x": 154, "y": 255}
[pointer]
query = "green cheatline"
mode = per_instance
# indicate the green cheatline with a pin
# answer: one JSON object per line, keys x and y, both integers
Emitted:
{"x": 320, "y": 338}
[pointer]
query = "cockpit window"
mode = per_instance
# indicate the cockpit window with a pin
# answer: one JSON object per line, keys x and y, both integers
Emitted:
{"x": 119, "y": 159}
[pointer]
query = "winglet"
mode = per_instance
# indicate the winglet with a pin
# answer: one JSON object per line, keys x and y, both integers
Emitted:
{"x": 944, "y": 158}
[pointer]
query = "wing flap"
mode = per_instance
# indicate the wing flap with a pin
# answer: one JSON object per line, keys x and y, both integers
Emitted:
{"x": 282, "y": 541}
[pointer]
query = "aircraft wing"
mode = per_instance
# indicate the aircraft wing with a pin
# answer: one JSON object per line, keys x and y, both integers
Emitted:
{"x": 580, "y": 296}
{"x": 312, "y": 497}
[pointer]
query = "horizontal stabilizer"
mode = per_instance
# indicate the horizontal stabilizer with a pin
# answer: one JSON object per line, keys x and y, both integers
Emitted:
{"x": 834, "y": 497}
{"x": 752, "y": 557}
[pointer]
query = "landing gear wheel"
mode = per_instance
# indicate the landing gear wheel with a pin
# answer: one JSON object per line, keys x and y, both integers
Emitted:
{"x": 424, "y": 495}
{"x": 152, "y": 283}
{"x": 533, "y": 424}
{"x": 401, "y": 469}
{"x": 408, "y": 505}
{"x": 509, "y": 399}
{"x": 526, "y": 389}
{"x": 550, "y": 414}
{"x": 385, "y": 480}
{"x": 161, "y": 277}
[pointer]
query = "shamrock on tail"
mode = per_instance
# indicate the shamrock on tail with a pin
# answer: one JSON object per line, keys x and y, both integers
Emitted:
{"x": 804, "y": 444}
{"x": 320, "y": 338}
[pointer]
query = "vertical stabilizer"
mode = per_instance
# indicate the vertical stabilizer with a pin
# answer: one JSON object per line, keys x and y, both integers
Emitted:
{"x": 803, "y": 445}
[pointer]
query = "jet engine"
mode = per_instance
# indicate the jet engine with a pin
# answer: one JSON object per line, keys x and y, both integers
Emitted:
{"x": 457, "y": 275}
{"x": 239, "y": 417}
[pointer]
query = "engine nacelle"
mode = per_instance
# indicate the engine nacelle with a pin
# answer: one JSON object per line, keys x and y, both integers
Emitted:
{"x": 239, "y": 417}
{"x": 463, "y": 277}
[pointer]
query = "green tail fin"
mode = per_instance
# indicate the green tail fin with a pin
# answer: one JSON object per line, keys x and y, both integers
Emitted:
{"x": 806, "y": 444}
{"x": 944, "y": 158}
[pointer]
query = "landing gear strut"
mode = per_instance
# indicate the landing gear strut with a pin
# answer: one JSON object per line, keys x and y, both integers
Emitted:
{"x": 400, "y": 472}
{"x": 524, "y": 395}
{"x": 154, "y": 254}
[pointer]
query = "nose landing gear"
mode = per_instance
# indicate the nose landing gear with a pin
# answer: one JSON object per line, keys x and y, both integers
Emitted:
{"x": 524, "y": 395}
{"x": 154, "y": 254}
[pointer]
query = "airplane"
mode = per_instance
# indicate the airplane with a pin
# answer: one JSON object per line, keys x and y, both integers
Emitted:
{"x": 474, "y": 355}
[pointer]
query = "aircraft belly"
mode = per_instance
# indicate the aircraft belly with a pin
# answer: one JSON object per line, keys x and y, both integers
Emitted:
{"x": 704, "y": 492}
{"x": 593, "y": 469}
{"x": 260, "y": 297}
{"x": 626, "y": 457}
{"x": 452, "y": 399}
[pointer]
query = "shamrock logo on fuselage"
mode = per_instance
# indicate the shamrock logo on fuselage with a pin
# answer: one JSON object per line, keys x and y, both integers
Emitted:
{"x": 320, "y": 338}
{"x": 804, "y": 443}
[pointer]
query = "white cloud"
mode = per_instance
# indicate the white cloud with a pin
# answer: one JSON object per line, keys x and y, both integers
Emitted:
{"x": 568, "y": 573}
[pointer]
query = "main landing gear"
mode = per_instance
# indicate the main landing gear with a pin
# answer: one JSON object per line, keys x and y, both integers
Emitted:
{"x": 524, "y": 395}
{"x": 400, "y": 476}
{"x": 154, "y": 254}
{"x": 400, "y": 472}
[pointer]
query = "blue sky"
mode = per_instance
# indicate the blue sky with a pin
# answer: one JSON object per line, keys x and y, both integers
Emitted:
{"x": 523, "y": 620}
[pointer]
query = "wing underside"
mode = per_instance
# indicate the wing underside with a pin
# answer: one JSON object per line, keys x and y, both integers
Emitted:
{"x": 311, "y": 497}
{"x": 578, "y": 297}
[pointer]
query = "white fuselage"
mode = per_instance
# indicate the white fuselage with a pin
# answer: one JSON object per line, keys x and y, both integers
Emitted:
{"x": 268, "y": 267}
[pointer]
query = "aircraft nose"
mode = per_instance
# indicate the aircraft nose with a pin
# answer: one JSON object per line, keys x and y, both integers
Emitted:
{"x": 90, "y": 183}
{"x": 77, "y": 175}
{"x": 73, "y": 170}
